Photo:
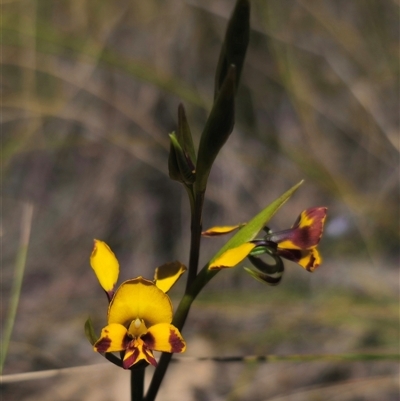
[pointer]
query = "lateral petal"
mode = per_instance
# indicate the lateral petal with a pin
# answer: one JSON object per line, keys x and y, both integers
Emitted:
{"x": 165, "y": 338}
{"x": 232, "y": 257}
{"x": 112, "y": 338}
{"x": 220, "y": 230}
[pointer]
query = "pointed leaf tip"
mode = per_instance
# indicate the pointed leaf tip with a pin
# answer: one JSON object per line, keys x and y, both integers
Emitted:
{"x": 235, "y": 44}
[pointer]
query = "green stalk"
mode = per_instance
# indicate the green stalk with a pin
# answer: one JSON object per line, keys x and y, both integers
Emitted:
{"x": 195, "y": 237}
{"x": 26, "y": 223}
{"x": 137, "y": 384}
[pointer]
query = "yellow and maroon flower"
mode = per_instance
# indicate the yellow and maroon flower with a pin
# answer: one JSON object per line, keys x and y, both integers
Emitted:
{"x": 139, "y": 313}
{"x": 298, "y": 244}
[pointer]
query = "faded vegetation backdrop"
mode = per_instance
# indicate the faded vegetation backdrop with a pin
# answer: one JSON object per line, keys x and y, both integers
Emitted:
{"x": 90, "y": 90}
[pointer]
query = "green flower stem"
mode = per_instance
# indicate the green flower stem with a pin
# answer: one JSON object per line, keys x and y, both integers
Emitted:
{"x": 200, "y": 282}
{"x": 137, "y": 384}
{"x": 195, "y": 228}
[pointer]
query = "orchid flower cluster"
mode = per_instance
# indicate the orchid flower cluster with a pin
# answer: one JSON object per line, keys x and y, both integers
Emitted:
{"x": 140, "y": 318}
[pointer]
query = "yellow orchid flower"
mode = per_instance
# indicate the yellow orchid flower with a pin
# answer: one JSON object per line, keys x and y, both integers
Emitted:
{"x": 139, "y": 313}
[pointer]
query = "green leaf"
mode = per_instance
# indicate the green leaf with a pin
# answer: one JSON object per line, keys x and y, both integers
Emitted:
{"x": 255, "y": 225}
{"x": 89, "y": 331}
{"x": 234, "y": 48}
{"x": 185, "y": 136}
{"x": 217, "y": 130}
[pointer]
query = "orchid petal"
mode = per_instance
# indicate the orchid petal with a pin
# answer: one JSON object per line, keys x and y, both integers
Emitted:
{"x": 105, "y": 265}
{"x": 168, "y": 274}
{"x": 309, "y": 259}
{"x": 220, "y": 230}
{"x": 165, "y": 338}
{"x": 112, "y": 338}
{"x": 232, "y": 257}
{"x": 139, "y": 298}
{"x": 305, "y": 233}
{"x": 136, "y": 352}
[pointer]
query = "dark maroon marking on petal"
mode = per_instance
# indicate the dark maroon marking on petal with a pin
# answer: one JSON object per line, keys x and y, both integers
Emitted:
{"x": 177, "y": 345}
{"x": 295, "y": 255}
{"x": 126, "y": 341}
{"x": 314, "y": 213}
{"x": 290, "y": 254}
{"x": 131, "y": 360}
{"x": 318, "y": 213}
{"x": 149, "y": 340}
{"x": 307, "y": 237}
{"x": 150, "y": 356}
{"x": 304, "y": 237}
{"x": 311, "y": 265}
{"x": 103, "y": 344}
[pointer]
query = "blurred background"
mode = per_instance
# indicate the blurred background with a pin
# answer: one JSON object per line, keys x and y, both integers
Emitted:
{"x": 90, "y": 91}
